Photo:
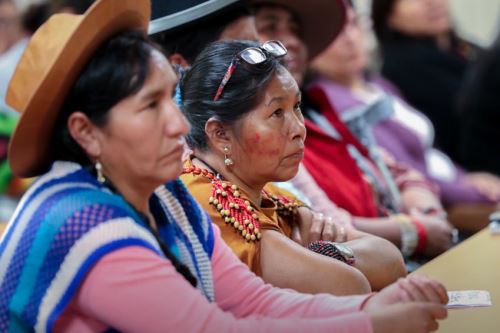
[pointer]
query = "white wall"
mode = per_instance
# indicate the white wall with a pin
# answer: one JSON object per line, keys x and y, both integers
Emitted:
{"x": 478, "y": 20}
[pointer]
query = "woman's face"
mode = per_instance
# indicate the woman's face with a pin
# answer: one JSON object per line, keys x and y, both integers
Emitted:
{"x": 142, "y": 141}
{"x": 347, "y": 56}
{"x": 277, "y": 23}
{"x": 420, "y": 17}
{"x": 269, "y": 141}
{"x": 10, "y": 25}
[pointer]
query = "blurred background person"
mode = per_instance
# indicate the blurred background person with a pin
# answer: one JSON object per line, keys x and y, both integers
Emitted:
{"x": 13, "y": 40}
{"x": 16, "y": 28}
{"x": 342, "y": 72}
{"x": 422, "y": 55}
{"x": 480, "y": 114}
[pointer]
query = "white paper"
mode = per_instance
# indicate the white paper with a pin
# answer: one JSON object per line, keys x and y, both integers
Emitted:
{"x": 468, "y": 299}
{"x": 495, "y": 228}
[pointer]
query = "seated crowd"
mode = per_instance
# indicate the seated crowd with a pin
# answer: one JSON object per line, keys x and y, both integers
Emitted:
{"x": 232, "y": 166}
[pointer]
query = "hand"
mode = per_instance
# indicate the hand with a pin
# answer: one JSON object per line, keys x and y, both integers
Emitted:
{"x": 409, "y": 289}
{"x": 412, "y": 304}
{"x": 439, "y": 233}
{"x": 407, "y": 318}
{"x": 316, "y": 226}
{"x": 486, "y": 184}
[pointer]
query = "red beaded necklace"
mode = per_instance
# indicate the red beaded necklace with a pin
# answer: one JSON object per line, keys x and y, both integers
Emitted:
{"x": 225, "y": 197}
{"x": 235, "y": 210}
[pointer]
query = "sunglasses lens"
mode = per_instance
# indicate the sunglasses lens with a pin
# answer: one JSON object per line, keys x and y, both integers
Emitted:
{"x": 253, "y": 56}
{"x": 275, "y": 48}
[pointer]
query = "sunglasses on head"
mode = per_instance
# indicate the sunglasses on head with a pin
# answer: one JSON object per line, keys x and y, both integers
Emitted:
{"x": 252, "y": 56}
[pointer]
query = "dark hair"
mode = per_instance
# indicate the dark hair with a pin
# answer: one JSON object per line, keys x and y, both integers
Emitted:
{"x": 34, "y": 16}
{"x": 77, "y": 6}
{"x": 241, "y": 94}
{"x": 381, "y": 10}
{"x": 117, "y": 70}
{"x": 191, "y": 40}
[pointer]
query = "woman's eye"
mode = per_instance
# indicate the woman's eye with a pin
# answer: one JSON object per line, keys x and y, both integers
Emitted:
{"x": 298, "y": 107}
{"x": 270, "y": 28}
{"x": 152, "y": 105}
{"x": 278, "y": 113}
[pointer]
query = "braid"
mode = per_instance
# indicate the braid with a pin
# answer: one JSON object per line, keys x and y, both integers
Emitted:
{"x": 179, "y": 267}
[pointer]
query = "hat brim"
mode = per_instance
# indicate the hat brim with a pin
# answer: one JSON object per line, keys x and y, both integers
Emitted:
{"x": 191, "y": 16}
{"x": 321, "y": 20}
{"x": 29, "y": 151}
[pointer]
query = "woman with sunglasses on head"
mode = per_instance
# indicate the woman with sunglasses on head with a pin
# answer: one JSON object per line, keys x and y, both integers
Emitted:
{"x": 247, "y": 131}
{"x": 98, "y": 242}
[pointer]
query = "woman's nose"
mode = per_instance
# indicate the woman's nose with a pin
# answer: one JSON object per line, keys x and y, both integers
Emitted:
{"x": 297, "y": 128}
{"x": 176, "y": 123}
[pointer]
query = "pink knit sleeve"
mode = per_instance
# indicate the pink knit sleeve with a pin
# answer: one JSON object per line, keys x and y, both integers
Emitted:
{"x": 134, "y": 290}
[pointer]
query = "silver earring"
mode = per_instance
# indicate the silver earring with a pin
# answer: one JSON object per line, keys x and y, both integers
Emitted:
{"x": 228, "y": 161}
{"x": 100, "y": 175}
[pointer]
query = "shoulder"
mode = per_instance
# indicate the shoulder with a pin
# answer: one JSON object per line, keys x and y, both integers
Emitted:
{"x": 226, "y": 200}
{"x": 67, "y": 204}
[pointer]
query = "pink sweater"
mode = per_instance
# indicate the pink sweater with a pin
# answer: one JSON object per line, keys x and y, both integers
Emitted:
{"x": 134, "y": 290}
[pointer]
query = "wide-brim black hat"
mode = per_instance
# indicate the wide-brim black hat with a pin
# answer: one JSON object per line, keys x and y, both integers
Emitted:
{"x": 320, "y": 20}
{"x": 170, "y": 15}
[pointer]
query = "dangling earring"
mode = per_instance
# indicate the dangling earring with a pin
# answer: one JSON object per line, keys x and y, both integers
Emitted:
{"x": 227, "y": 160}
{"x": 100, "y": 175}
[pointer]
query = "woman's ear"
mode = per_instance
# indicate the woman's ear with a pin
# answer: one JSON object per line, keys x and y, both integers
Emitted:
{"x": 83, "y": 131}
{"x": 218, "y": 134}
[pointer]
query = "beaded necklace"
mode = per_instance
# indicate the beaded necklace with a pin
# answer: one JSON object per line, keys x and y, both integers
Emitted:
{"x": 236, "y": 211}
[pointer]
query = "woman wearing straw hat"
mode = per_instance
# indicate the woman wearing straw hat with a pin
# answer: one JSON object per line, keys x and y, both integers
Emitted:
{"x": 99, "y": 243}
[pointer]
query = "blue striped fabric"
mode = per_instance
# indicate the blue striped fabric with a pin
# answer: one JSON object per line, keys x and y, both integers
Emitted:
{"x": 66, "y": 222}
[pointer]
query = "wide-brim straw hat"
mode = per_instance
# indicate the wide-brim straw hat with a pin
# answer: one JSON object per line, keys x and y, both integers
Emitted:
{"x": 48, "y": 68}
{"x": 320, "y": 20}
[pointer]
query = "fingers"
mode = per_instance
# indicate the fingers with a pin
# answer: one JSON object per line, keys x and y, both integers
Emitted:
{"x": 414, "y": 294}
{"x": 431, "y": 290}
{"x": 441, "y": 291}
{"x": 432, "y": 326}
{"x": 316, "y": 227}
{"x": 322, "y": 228}
{"x": 341, "y": 234}
{"x": 431, "y": 313}
{"x": 437, "y": 311}
{"x": 296, "y": 235}
{"x": 329, "y": 230}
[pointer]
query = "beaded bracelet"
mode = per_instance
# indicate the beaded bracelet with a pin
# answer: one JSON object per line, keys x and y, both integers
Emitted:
{"x": 409, "y": 234}
{"x": 422, "y": 235}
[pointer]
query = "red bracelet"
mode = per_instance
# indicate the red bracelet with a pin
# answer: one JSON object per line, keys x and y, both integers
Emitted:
{"x": 422, "y": 235}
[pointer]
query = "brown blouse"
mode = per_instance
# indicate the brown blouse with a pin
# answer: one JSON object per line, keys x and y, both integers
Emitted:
{"x": 239, "y": 219}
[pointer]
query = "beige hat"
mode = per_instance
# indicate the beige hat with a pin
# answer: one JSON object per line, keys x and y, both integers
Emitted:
{"x": 321, "y": 20}
{"x": 51, "y": 63}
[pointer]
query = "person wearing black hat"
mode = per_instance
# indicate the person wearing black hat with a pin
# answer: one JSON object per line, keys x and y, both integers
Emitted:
{"x": 184, "y": 28}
